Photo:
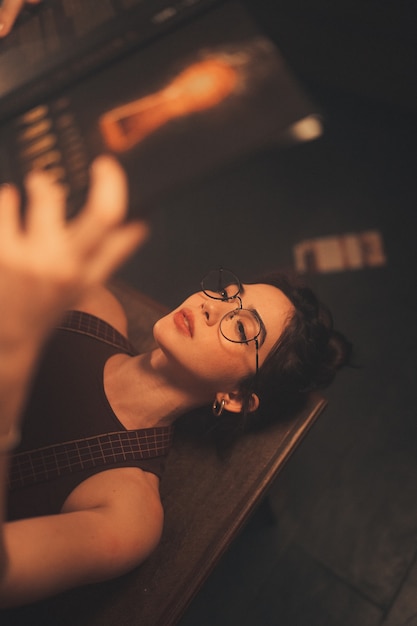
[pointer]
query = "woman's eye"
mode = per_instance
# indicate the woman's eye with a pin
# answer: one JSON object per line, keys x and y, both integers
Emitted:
{"x": 241, "y": 331}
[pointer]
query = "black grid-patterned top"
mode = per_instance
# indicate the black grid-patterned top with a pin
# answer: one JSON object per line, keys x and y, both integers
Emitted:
{"x": 95, "y": 450}
{"x": 53, "y": 461}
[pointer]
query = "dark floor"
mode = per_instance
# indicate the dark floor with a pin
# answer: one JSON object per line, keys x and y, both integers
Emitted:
{"x": 342, "y": 550}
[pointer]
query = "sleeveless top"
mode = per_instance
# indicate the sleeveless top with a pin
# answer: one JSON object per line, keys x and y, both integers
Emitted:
{"x": 68, "y": 403}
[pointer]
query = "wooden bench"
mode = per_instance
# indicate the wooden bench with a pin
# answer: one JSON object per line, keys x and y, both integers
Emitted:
{"x": 207, "y": 500}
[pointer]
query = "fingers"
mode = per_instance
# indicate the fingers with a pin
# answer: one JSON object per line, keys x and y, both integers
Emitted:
{"x": 113, "y": 251}
{"x": 108, "y": 191}
{"x": 9, "y": 11}
{"x": 105, "y": 207}
{"x": 85, "y": 250}
{"x": 46, "y": 204}
{"x": 106, "y": 204}
{"x": 98, "y": 231}
{"x": 9, "y": 212}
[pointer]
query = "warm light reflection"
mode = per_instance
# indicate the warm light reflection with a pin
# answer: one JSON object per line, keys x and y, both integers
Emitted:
{"x": 201, "y": 86}
{"x": 307, "y": 129}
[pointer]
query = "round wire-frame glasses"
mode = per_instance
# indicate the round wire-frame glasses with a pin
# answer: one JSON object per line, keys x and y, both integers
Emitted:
{"x": 239, "y": 325}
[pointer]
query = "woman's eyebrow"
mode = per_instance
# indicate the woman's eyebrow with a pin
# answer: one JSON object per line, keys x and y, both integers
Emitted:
{"x": 263, "y": 333}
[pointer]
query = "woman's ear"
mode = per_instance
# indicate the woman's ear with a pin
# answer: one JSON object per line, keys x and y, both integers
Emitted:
{"x": 233, "y": 402}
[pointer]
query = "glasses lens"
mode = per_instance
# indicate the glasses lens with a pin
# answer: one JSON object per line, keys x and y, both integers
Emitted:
{"x": 221, "y": 284}
{"x": 240, "y": 326}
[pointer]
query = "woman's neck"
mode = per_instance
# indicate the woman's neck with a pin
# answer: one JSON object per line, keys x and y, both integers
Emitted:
{"x": 142, "y": 393}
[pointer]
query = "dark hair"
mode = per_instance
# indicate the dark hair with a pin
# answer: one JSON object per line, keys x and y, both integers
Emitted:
{"x": 307, "y": 356}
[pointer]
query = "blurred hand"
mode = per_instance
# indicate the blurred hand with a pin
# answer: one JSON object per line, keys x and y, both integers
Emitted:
{"x": 48, "y": 263}
{"x": 9, "y": 12}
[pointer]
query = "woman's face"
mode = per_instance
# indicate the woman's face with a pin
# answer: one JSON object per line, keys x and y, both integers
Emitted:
{"x": 192, "y": 343}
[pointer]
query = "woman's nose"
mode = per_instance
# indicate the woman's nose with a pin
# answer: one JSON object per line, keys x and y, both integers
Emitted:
{"x": 214, "y": 310}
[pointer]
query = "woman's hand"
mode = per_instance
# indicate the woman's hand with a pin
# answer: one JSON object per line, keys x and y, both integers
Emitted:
{"x": 9, "y": 11}
{"x": 47, "y": 264}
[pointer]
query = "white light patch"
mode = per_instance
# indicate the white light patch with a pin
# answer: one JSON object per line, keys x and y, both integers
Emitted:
{"x": 338, "y": 253}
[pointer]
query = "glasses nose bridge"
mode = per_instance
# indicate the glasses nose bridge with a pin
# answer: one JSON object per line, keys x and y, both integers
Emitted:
{"x": 234, "y": 301}
{"x": 238, "y": 301}
{"x": 215, "y": 307}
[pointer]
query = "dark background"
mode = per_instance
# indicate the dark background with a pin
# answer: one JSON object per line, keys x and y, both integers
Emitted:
{"x": 341, "y": 550}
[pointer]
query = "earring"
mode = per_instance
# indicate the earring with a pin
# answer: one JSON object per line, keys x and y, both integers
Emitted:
{"x": 218, "y": 407}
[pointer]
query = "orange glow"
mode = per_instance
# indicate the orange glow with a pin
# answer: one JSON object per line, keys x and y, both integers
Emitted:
{"x": 199, "y": 87}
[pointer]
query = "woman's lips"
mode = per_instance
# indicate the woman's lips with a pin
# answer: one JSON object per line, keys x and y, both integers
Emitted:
{"x": 184, "y": 321}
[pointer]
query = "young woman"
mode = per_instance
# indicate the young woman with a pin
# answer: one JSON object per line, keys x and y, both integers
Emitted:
{"x": 225, "y": 346}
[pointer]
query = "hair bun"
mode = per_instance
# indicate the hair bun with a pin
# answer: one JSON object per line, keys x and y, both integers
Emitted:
{"x": 340, "y": 350}
{"x": 335, "y": 354}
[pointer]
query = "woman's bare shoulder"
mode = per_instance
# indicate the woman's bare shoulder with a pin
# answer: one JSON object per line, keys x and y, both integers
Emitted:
{"x": 102, "y": 303}
{"x": 119, "y": 488}
{"x": 109, "y": 524}
{"x": 130, "y": 498}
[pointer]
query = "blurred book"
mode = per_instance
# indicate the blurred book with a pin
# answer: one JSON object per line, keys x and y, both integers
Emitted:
{"x": 207, "y": 93}
{"x": 60, "y": 41}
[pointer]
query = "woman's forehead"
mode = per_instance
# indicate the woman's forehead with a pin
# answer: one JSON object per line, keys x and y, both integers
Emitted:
{"x": 264, "y": 294}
